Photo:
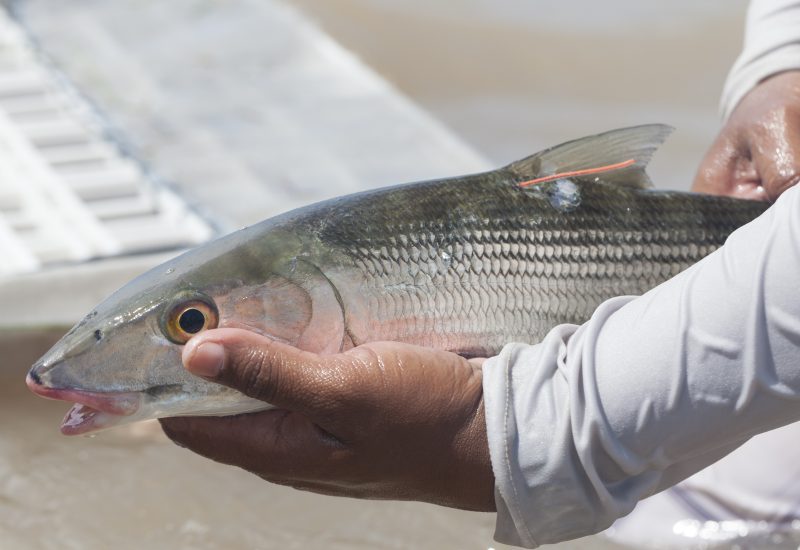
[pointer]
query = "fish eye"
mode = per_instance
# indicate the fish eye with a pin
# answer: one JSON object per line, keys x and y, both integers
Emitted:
{"x": 192, "y": 320}
{"x": 187, "y": 318}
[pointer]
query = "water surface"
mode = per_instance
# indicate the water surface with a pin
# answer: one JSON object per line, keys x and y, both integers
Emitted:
{"x": 513, "y": 77}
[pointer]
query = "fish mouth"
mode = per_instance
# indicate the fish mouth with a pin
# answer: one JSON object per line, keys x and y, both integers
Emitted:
{"x": 92, "y": 411}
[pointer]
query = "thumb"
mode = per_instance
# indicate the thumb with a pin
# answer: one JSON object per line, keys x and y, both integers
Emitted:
{"x": 727, "y": 168}
{"x": 264, "y": 369}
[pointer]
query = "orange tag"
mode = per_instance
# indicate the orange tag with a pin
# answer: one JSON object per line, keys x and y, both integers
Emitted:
{"x": 585, "y": 172}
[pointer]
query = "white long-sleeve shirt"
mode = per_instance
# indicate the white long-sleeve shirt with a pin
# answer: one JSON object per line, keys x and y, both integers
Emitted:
{"x": 771, "y": 45}
{"x": 649, "y": 391}
{"x": 653, "y": 389}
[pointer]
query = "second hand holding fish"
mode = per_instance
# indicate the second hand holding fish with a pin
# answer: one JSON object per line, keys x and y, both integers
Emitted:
{"x": 352, "y": 424}
{"x": 757, "y": 152}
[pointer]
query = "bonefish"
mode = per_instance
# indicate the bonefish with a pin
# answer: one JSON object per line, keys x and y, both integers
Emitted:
{"x": 464, "y": 264}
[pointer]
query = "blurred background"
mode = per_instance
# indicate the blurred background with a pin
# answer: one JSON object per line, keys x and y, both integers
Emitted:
{"x": 130, "y": 130}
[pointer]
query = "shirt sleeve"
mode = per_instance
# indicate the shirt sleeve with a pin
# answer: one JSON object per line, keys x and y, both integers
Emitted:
{"x": 771, "y": 46}
{"x": 650, "y": 390}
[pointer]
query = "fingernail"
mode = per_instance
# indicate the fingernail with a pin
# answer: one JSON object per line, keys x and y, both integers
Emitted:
{"x": 207, "y": 360}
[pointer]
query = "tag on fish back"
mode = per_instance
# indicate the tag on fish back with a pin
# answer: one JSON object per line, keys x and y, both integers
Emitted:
{"x": 620, "y": 155}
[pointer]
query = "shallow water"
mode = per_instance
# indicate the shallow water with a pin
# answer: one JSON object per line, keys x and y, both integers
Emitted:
{"x": 514, "y": 77}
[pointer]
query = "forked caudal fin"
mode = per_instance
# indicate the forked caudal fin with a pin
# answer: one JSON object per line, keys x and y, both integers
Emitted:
{"x": 620, "y": 155}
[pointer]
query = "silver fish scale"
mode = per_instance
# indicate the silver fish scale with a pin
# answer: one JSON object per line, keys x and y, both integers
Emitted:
{"x": 472, "y": 270}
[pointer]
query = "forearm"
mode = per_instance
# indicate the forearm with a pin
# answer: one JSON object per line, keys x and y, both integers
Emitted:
{"x": 650, "y": 390}
{"x": 771, "y": 46}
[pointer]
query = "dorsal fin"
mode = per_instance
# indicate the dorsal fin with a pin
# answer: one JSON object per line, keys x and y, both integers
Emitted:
{"x": 609, "y": 149}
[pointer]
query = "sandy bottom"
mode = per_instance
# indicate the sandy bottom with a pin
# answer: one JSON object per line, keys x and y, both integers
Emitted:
{"x": 131, "y": 488}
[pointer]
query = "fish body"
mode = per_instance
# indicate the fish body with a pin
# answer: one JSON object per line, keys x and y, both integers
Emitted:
{"x": 465, "y": 264}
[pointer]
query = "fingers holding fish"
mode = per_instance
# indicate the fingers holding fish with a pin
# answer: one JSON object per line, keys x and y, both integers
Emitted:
{"x": 267, "y": 370}
{"x": 757, "y": 153}
{"x": 364, "y": 424}
{"x": 277, "y": 444}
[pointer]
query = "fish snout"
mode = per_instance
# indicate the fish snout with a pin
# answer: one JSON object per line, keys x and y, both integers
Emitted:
{"x": 45, "y": 374}
{"x": 40, "y": 382}
{"x": 38, "y": 376}
{"x": 91, "y": 411}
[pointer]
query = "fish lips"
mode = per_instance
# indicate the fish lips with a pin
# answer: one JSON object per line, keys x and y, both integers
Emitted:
{"x": 92, "y": 411}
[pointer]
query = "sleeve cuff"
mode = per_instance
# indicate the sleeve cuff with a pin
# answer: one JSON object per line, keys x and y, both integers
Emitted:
{"x": 543, "y": 490}
{"x": 746, "y": 77}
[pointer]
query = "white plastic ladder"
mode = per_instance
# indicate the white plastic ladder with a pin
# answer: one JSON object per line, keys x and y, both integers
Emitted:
{"x": 67, "y": 193}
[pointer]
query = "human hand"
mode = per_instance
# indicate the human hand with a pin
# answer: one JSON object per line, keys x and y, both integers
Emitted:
{"x": 383, "y": 420}
{"x": 757, "y": 152}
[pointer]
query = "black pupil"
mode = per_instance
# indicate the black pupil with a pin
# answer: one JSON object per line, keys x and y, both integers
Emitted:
{"x": 192, "y": 321}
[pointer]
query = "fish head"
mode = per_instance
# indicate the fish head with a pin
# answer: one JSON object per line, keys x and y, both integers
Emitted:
{"x": 122, "y": 362}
